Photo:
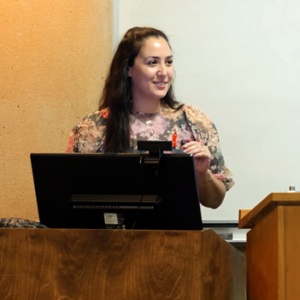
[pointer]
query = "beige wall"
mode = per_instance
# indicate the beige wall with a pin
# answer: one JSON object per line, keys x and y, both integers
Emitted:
{"x": 54, "y": 56}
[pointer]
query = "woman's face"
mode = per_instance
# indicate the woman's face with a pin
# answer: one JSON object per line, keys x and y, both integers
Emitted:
{"x": 152, "y": 71}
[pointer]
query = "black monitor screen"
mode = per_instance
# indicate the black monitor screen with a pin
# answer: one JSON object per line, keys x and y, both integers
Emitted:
{"x": 116, "y": 191}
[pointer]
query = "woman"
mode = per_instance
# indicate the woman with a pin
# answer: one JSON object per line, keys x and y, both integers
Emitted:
{"x": 138, "y": 104}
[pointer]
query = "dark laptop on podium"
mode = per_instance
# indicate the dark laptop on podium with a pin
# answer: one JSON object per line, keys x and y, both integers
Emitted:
{"x": 150, "y": 190}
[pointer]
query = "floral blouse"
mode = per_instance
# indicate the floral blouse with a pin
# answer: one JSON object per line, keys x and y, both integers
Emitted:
{"x": 189, "y": 124}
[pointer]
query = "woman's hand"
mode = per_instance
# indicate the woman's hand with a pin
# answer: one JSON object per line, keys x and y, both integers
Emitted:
{"x": 201, "y": 154}
{"x": 211, "y": 190}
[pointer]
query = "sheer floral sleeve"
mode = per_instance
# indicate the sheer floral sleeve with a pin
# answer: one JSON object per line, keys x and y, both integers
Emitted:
{"x": 88, "y": 135}
{"x": 205, "y": 132}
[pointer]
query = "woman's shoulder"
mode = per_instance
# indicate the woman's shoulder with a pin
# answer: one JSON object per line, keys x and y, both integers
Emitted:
{"x": 195, "y": 115}
{"x": 87, "y": 135}
{"x": 97, "y": 117}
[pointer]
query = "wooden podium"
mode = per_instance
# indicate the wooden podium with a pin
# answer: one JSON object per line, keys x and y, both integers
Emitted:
{"x": 273, "y": 247}
{"x": 67, "y": 264}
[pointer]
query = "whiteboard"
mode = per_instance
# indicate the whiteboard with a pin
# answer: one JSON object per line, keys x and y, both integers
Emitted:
{"x": 239, "y": 62}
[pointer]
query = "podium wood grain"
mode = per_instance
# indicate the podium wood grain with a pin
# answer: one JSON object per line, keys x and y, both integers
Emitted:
{"x": 273, "y": 248}
{"x": 66, "y": 264}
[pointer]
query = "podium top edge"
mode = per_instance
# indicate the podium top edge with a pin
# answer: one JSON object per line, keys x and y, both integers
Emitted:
{"x": 248, "y": 219}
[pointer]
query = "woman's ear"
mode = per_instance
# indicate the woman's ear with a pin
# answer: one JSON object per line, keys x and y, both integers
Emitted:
{"x": 128, "y": 72}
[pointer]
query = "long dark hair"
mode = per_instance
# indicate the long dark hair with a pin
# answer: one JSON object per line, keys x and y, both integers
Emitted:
{"x": 116, "y": 96}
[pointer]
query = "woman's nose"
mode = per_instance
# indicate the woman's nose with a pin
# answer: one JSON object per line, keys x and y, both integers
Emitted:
{"x": 162, "y": 70}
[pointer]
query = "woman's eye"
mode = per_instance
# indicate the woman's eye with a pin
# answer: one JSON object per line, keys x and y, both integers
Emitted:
{"x": 169, "y": 62}
{"x": 152, "y": 62}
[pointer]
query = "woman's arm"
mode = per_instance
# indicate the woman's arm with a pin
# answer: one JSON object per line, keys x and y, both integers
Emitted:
{"x": 211, "y": 190}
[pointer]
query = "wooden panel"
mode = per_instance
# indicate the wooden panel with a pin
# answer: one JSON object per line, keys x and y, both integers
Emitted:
{"x": 223, "y": 270}
{"x": 291, "y": 251}
{"x": 262, "y": 260}
{"x": 243, "y": 213}
{"x": 266, "y": 206}
{"x": 66, "y": 264}
{"x": 97, "y": 265}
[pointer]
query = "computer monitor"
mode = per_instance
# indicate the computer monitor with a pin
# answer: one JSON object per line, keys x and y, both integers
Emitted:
{"x": 116, "y": 191}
